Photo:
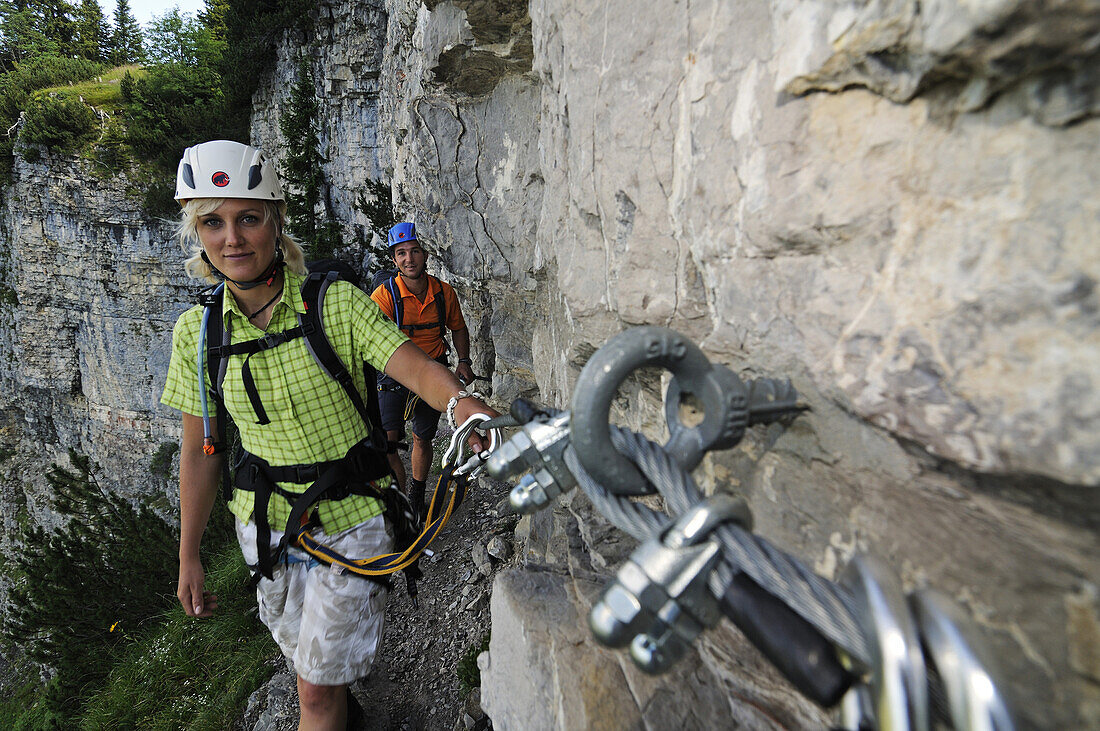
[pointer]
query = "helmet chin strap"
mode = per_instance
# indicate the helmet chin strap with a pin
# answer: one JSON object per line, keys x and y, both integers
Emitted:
{"x": 266, "y": 278}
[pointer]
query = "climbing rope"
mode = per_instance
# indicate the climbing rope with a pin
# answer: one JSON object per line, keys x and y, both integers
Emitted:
{"x": 448, "y": 495}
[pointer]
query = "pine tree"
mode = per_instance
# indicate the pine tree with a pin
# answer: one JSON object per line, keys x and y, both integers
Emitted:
{"x": 92, "y": 32}
{"x": 126, "y": 45}
{"x": 214, "y": 18}
{"x": 30, "y": 28}
{"x": 84, "y": 589}
{"x": 58, "y": 24}
{"x": 20, "y": 36}
{"x": 303, "y": 171}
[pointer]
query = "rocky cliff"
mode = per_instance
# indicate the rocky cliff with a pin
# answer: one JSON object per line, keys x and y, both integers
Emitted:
{"x": 90, "y": 297}
{"x": 892, "y": 203}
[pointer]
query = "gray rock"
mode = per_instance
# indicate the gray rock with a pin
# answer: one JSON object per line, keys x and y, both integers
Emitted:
{"x": 499, "y": 548}
{"x": 891, "y": 203}
{"x": 481, "y": 558}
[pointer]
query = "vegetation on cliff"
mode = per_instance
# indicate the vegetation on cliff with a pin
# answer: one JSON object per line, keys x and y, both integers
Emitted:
{"x": 122, "y": 95}
{"x": 94, "y": 603}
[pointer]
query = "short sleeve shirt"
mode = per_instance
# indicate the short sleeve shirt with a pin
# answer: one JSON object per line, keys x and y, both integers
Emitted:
{"x": 415, "y": 312}
{"x": 311, "y": 417}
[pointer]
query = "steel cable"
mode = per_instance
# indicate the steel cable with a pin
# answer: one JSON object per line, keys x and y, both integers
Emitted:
{"x": 825, "y": 604}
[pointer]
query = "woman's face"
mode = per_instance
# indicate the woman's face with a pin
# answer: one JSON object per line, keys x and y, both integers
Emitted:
{"x": 237, "y": 241}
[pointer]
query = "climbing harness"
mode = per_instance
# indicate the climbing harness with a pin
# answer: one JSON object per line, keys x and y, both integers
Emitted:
{"x": 891, "y": 660}
{"x": 448, "y": 494}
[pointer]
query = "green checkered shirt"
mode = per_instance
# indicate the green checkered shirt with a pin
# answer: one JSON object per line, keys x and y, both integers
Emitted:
{"x": 312, "y": 418}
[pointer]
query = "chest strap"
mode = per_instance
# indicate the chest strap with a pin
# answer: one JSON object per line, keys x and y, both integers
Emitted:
{"x": 250, "y": 348}
{"x": 399, "y": 308}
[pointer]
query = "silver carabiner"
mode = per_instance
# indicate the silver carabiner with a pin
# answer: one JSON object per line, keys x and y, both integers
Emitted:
{"x": 455, "y": 454}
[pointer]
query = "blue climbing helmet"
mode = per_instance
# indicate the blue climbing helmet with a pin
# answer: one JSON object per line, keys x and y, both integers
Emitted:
{"x": 400, "y": 233}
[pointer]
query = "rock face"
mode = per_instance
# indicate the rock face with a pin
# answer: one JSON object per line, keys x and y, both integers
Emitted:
{"x": 90, "y": 297}
{"x": 914, "y": 248}
{"x": 894, "y": 204}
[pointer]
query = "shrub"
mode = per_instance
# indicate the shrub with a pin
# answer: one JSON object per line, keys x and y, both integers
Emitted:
{"x": 170, "y": 108}
{"x": 17, "y": 85}
{"x": 110, "y": 149}
{"x": 58, "y": 122}
{"x": 161, "y": 464}
{"x": 86, "y": 589}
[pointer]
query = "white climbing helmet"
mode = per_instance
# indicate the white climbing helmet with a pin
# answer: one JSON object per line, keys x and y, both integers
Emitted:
{"x": 224, "y": 169}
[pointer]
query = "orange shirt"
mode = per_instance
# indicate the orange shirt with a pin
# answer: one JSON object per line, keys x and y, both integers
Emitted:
{"x": 415, "y": 312}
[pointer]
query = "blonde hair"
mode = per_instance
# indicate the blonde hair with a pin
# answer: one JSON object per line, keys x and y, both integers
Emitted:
{"x": 188, "y": 232}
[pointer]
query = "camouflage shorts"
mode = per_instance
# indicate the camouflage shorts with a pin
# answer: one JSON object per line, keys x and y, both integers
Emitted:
{"x": 327, "y": 624}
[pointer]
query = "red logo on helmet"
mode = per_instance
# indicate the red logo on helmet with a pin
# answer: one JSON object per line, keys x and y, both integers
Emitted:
{"x": 401, "y": 235}
{"x": 220, "y": 179}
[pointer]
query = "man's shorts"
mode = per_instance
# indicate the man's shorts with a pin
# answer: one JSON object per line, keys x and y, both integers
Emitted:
{"x": 327, "y": 624}
{"x": 393, "y": 402}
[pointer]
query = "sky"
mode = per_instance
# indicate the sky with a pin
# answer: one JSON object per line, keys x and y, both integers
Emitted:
{"x": 144, "y": 10}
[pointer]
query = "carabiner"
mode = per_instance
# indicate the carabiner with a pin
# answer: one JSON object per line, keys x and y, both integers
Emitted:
{"x": 455, "y": 454}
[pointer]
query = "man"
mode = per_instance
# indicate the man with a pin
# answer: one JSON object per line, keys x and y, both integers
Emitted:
{"x": 424, "y": 308}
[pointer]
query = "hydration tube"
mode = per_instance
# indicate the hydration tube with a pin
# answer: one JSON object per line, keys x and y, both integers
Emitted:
{"x": 200, "y": 367}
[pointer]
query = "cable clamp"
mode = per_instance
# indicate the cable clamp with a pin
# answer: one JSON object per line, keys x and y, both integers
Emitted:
{"x": 660, "y": 600}
{"x": 540, "y": 447}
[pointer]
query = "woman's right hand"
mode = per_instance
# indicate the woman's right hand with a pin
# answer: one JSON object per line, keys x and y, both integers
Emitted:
{"x": 196, "y": 601}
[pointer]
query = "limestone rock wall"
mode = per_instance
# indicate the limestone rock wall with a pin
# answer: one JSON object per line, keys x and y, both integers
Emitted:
{"x": 894, "y": 204}
{"x": 91, "y": 289}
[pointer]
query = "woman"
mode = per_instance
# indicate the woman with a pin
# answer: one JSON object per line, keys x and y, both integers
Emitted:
{"x": 290, "y": 415}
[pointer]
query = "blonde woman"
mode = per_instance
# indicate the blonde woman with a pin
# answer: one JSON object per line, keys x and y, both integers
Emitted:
{"x": 294, "y": 421}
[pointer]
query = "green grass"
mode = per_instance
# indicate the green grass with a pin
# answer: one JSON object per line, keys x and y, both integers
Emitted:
{"x": 188, "y": 673}
{"x": 22, "y": 708}
{"x": 181, "y": 673}
{"x": 469, "y": 674}
{"x": 103, "y": 92}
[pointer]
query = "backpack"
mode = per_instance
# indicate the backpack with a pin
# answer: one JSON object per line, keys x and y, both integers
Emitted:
{"x": 364, "y": 462}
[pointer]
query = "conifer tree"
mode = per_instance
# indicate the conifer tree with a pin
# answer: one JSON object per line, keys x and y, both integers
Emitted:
{"x": 20, "y": 33}
{"x": 126, "y": 46}
{"x": 84, "y": 589}
{"x": 303, "y": 171}
{"x": 214, "y": 18}
{"x": 30, "y": 28}
{"x": 58, "y": 24}
{"x": 92, "y": 32}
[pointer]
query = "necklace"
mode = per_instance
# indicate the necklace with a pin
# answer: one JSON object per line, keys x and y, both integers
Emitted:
{"x": 269, "y": 303}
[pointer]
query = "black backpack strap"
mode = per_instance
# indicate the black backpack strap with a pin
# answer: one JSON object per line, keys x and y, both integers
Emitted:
{"x": 399, "y": 310}
{"x": 259, "y": 345}
{"x": 440, "y": 308}
{"x": 317, "y": 343}
{"x": 395, "y": 297}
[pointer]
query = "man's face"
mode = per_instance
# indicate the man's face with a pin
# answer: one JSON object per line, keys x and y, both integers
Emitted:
{"x": 410, "y": 259}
